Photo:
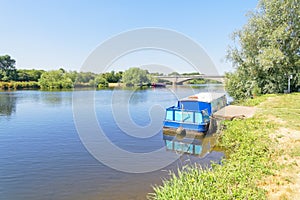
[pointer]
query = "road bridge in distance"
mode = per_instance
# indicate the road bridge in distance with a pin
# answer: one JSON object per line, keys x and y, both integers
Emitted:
{"x": 179, "y": 79}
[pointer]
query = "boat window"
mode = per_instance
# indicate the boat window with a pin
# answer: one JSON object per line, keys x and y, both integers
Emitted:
{"x": 198, "y": 118}
{"x": 178, "y": 116}
{"x": 188, "y": 117}
{"x": 190, "y": 148}
{"x": 169, "y": 145}
{"x": 169, "y": 115}
{"x": 198, "y": 149}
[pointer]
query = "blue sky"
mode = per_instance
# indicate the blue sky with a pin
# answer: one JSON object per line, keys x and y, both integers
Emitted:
{"x": 49, "y": 34}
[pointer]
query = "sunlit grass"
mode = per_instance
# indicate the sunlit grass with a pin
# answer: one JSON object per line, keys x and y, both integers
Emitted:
{"x": 285, "y": 107}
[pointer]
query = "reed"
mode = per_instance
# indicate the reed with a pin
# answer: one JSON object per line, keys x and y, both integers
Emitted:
{"x": 17, "y": 85}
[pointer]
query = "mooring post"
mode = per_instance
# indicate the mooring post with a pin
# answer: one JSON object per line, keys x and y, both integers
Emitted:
{"x": 289, "y": 83}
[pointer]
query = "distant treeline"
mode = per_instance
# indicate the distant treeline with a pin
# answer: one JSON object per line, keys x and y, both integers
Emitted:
{"x": 12, "y": 78}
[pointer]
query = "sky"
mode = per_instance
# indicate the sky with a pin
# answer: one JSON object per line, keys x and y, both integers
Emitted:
{"x": 50, "y": 34}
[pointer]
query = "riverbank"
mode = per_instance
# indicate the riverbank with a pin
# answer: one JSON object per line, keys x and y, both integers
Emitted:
{"x": 262, "y": 157}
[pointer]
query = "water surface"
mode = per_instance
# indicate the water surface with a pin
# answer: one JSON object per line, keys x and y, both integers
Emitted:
{"x": 42, "y": 156}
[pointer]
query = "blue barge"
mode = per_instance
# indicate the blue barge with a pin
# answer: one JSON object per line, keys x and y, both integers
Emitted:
{"x": 193, "y": 113}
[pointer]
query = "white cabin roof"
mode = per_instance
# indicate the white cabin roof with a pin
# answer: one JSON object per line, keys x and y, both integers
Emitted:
{"x": 204, "y": 97}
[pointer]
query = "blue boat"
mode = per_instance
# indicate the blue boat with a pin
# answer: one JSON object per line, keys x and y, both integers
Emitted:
{"x": 193, "y": 113}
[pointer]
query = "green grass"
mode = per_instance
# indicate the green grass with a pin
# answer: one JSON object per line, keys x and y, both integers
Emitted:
{"x": 254, "y": 101}
{"x": 249, "y": 151}
{"x": 285, "y": 107}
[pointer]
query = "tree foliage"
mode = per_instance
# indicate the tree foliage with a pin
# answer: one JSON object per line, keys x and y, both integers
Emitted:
{"x": 174, "y": 74}
{"x": 29, "y": 74}
{"x": 112, "y": 77}
{"x": 55, "y": 79}
{"x": 267, "y": 50}
{"x": 8, "y": 70}
{"x": 135, "y": 76}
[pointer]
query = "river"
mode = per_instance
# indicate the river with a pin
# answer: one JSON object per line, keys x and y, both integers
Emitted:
{"x": 42, "y": 155}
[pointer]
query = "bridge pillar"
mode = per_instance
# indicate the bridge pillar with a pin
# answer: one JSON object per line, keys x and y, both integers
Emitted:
{"x": 174, "y": 82}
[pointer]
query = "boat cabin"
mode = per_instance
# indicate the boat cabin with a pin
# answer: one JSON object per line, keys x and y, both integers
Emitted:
{"x": 194, "y": 112}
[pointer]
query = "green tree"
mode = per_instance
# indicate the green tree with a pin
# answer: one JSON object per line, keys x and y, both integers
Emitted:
{"x": 8, "y": 70}
{"x": 29, "y": 74}
{"x": 85, "y": 77}
{"x": 112, "y": 77}
{"x": 55, "y": 79}
{"x": 267, "y": 50}
{"x": 72, "y": 75}
{"x": 174, "y": 74}
{"x": 135, "y": 76}
{"x": 101, "y": 82}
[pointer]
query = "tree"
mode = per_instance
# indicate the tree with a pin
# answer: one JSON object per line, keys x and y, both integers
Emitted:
{"x": 29, "y": 74}
{"x": 55, "y": 79}
{"x": 174, "y": 74}
{"x": 135, "y": 76}
{"x": 101, "y": 82}
{"x": 85, "y": 77}
{"x": 112, "y": 77}
{"x": 8, "y": 70}
{"x": 267, "y": 50}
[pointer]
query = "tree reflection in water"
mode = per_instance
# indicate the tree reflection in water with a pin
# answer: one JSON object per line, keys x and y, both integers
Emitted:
{"x": 7, "y": 104}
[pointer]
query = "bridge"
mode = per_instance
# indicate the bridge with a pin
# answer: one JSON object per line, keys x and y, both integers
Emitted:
{"x": 179, "y": 79}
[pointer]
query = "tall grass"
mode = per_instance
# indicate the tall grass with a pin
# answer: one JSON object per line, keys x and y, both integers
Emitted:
{"x": 16, "y": 85}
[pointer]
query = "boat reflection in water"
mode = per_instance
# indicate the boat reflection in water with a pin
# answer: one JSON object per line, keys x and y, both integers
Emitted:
{"x": 197, "y": 145}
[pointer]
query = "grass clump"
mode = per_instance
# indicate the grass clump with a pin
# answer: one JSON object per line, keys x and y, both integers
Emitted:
{"x": 248, "y": 146}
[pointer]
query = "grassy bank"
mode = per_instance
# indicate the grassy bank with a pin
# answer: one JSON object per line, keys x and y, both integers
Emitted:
{"x": 17, "y": 85}
{"x": 255, "y": 149}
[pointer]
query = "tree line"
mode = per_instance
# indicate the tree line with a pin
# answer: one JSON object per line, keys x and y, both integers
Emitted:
{"x": 12, "y": 78}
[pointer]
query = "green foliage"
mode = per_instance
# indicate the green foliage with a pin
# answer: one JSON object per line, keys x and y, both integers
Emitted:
{"x": 72, "y": 75}
{"x": 112, "y": 77}
{"x": 85, "y": 77}
{"x": 29, "y": 74}
{"x": 267, "y": 51}
{"x": 202, "y": 81}
{"x": 135, "y": 76}
{"x": 174, "y": 74}
{"x": 191, "y": 73}
{"x": 8, "y": 70}
{"x": 55, "y": 79}
{"x": 101, "y": 82}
